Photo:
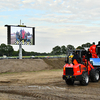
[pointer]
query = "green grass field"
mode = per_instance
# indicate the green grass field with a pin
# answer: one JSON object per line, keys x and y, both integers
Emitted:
{"x": 34, "y": 56}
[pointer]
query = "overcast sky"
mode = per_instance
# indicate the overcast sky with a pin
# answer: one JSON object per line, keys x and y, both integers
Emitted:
{"x": 56, "y": 22}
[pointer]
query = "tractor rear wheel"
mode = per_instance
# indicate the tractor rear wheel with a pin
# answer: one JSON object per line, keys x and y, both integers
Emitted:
{"x": 94, "y": 74}
{"x": 85, "y": 79}
{"x": 69, "y": 82}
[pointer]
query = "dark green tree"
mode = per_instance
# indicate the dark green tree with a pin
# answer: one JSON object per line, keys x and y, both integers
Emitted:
{"x": 3, "y": 49}
{"x": 15, "y": 53}
{"x": 6, "y": 49}
{"x": 79, "y": 47}
{"x": 86, "y": 45}
{"x": 56, "y": 50}
{"x": 9, "y": 50}
{"x": 63, "y": 49}
{"x": 70, "y": 47}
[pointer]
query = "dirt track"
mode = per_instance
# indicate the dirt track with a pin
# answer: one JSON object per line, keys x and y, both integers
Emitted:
{"x": 45, "y": 85}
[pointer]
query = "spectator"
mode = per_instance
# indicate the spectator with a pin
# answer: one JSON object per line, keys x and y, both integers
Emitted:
{"x": 92, "y": 50}
{"x": 98, "y": 49}
{"x": 88, "y": 55}
{"x": 23, "y": 34}
{"x": 17, "y": 36}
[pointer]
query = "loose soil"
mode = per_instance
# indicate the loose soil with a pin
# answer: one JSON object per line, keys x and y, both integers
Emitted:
{"x": 25, "y": 65}
{"x": 41, "y": 79}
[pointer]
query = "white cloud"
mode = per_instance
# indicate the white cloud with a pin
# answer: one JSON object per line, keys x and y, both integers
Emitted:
{"x": 9, "y": 4}
{"x": 57, "y": 22}
{"x": 82, "y": 9}
{"x": 65, "y": 5}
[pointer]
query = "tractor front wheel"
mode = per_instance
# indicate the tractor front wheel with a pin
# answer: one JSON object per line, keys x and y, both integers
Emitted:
{"x": 85, "y": 79}
{"x": 69, "y": 82}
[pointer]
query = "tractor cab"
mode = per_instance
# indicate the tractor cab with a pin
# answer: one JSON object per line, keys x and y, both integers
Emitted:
{"x": 71, "y": 53}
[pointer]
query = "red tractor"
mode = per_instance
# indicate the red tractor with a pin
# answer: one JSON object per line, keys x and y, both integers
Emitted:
{"x": 83, "y": 71}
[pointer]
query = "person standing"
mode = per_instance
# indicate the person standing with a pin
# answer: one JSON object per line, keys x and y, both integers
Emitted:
{"x": 92, "y": 50}
{"x": 98, "y": 49}
{"x": 23, "y": 34}
{"x": 89, "y": 55}
{"x": 20, "y": 34}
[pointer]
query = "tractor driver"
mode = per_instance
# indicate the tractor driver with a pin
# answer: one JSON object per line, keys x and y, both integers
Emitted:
{"x": 76, "y": 56}
{"x": 92, "y": 50}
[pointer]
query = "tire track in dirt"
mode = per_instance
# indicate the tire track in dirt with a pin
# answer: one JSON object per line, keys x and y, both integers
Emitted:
{"x": 34, "y": 95}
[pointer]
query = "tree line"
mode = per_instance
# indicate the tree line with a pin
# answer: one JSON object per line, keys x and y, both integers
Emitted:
{"x": 64, "y": 49}
{"x": 8, "y": 50}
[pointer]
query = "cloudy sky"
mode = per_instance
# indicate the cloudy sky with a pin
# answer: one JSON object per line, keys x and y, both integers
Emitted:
{"x": 56, "y": 22}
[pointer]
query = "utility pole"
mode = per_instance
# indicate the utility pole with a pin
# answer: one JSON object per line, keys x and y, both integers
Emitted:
{"x": 20, "y": 47}
{"x": 20, "y": 50}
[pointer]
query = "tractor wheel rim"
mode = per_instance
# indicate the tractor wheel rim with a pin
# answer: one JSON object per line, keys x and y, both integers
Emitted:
{"x": 97, "y": 76}
{"x": 86, "y": 79}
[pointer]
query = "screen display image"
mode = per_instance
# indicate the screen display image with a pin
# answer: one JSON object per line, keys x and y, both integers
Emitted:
{"x": 22, "y": 35}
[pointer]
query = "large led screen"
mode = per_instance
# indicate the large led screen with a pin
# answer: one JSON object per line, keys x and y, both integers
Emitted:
{"x": 23, "y": 35}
